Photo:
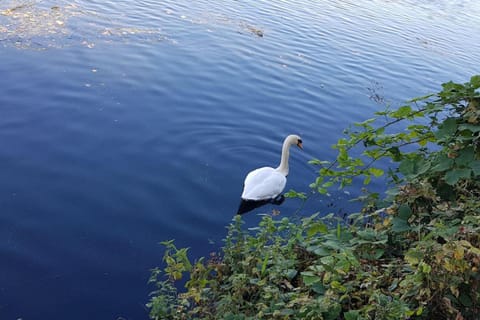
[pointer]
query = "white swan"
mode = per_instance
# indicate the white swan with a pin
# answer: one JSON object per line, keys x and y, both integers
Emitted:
{"x": 266, "y": 184}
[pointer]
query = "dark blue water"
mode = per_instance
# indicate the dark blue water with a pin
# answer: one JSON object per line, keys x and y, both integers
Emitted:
{"x": 123, "y": 124}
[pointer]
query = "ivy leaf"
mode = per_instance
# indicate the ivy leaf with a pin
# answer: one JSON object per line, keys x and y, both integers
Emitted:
{"x": 453, "y": 176}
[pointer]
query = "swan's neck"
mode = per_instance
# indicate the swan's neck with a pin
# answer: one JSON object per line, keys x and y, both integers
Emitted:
{"x": 283, "y": 167}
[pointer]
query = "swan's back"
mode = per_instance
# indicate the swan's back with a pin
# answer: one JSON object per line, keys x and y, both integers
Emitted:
{"x": 263, "y": 183}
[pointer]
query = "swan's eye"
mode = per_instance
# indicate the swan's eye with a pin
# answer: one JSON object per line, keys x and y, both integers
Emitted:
{"x": 300, "y": 141}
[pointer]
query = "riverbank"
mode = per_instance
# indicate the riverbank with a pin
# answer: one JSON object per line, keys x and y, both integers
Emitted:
{"x": 414, "y": 254}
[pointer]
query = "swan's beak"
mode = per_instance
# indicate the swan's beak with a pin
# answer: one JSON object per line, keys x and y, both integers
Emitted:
{"x": 299, "y": 144}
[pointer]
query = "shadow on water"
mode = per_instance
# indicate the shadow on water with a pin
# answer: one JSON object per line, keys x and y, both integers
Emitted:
{"x": 249, "y": 205}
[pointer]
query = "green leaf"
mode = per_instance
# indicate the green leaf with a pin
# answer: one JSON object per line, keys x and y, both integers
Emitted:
{"x": 395, "y": 153}
{"x": 264, "y": 265}
{"x": 318, "y": 162}
{"x": 453, "y": 176}
{"x": 376, "y": 172}
{"x": 475, "y": 165}
{"x": 470, "y": 127}
{"x": 404, "y": 212}
{"x": 338, "y": 286}
{"x": 291, "y": 273}
{"x": 421, "y": 98}
{"x": 465, "y": 300}
{"x": 400, "y": 225}
{"x": 295, "y": 194}
{"x": 451, "y": 86}
{"x": 367, "y": 180}
{"x": 327, "y": 184}
{"x": 401, "y": 112}
{"x": 352, "y": 315}
{"x": 287, "y": 312}
{"x": 365, "y": 123}
{"x": 309, "y": 278}
{"x": 318, "y": 288}
{"x": 475, "y": 81}
{"x": 465, "y": 156}
{"x": 378, "y": 253}
{"x": 332, "y": 245}
{"x": 443, "y": 163}
{"x": 413, "y": 166}
{"x": 447, "y": 128}
{"x": 317, "y": 227}
{"x": 414, "y": 257}
{"x": 320, "y": 251}
{"x": 322, "y": 190}
{"x": 407, "y": 167}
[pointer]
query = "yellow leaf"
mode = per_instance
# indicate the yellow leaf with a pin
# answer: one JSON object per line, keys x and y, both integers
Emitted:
{"x": 458, "y": 253}
{"x": 423, "y": 142}
{"x": 419, "y": 311}
{"x": 412, "y": 259}
{"x": 455, "y": 291}
{"x": 177, "y": 275}
{"x": 448, "y": 266}
{"x": 464, "y": 243}
{"x": 439, "y": 257}
{"x": 386, "y": 222}
{"x": 475, "y": 250}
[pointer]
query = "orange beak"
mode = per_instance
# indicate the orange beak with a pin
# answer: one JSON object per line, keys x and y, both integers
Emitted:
{"x": 300, "y": 145}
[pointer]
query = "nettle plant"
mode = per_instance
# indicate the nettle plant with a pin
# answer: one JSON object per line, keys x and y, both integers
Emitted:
{"x": 414, "y": 255}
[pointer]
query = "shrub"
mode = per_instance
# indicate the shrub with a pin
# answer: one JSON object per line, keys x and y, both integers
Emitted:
{"x": 413, "y": 255}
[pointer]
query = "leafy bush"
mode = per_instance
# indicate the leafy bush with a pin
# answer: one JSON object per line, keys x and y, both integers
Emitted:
{"x": 414, "y": 255}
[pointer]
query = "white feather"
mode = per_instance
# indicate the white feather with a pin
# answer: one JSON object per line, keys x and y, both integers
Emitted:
{"x": 267, "y": 183}
{"x": 263, "y": 183}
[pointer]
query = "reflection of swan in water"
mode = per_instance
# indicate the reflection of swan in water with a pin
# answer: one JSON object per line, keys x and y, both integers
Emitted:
{"x": 264, "y": 185}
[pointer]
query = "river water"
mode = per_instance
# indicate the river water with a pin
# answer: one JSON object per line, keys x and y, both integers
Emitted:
{"x": 123, "y": 124}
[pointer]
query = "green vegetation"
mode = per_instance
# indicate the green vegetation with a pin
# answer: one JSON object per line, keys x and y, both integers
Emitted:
{"x": 413, "y": 255}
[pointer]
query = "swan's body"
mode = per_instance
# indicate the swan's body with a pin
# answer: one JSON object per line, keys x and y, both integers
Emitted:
{"x": 267, "y": 183}
{"x": 263, "y": 183}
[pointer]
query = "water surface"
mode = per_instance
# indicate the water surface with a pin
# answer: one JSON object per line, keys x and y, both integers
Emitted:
{"x": 124, "y": 124}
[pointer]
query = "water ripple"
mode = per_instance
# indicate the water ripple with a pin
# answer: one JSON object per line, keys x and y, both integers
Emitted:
{"x": 137, "y": 122}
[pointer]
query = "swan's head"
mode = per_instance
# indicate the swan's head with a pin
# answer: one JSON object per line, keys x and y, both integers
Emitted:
{"x": 294, "y": 139}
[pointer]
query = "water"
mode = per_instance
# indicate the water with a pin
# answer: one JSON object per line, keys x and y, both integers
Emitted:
{"x": 124, "y": 124}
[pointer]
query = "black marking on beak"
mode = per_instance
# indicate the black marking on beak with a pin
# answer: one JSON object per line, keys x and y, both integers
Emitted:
{"x": 299, "y": 143}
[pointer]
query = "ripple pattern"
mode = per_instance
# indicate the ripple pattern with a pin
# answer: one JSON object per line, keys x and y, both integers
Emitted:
{"x": 128, "y": 123}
